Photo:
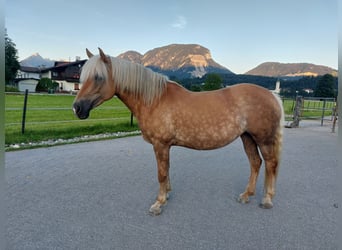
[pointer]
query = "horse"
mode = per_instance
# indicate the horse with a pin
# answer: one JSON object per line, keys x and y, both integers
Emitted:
{"x": 170, "y": 115}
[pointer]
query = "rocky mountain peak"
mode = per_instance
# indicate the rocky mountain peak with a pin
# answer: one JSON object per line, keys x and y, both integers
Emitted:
{"x": 180, "y": 60}
{"x": 36, "y": 60}
{"x": 132, "y": 56}
{"x": 276, "y": 69}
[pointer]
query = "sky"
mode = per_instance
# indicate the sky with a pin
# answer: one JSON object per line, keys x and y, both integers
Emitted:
{"x": 240, "y": 34}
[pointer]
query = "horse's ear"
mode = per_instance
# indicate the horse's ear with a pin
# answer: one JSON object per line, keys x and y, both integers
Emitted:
{"x": 89, "y": 54}
{"x": 104, "y": 58}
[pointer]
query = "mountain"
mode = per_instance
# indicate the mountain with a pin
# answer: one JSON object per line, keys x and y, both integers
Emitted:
{"x": 132, "y": 56}
{"x": 36, "y": 61}
{"x": 178, "y": 60}
{"x": 277, "y": 69}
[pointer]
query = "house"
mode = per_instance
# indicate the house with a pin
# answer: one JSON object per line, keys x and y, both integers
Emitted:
{"x": 277, "y": 88}
{"x": 66, "y": 74}
{"x": 308, "y": 91}
{"x": 27, "y": 78}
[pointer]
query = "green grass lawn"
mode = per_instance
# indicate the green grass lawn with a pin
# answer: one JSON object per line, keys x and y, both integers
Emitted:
{"x": 311, "y": 109}
{"x": 51, "y": 117}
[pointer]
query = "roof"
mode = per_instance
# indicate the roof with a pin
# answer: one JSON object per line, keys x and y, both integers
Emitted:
{"x": 61, "y": 65}
{"x": 30, "y": 69}
{"x": 17, "y": 80}
{"x": 67, "y": 64}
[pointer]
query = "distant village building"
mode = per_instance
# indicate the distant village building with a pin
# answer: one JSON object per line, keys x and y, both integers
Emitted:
{"x": 308, "y": 91}
{"x": 27, "y": 78}
{"x": 277, "y": 88}
{"x": 66, "y": 74}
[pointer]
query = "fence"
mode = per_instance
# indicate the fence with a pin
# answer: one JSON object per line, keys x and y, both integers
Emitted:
{"x": 43, "y": 113}
{"x": 25, "y": 112}
{"x": 317, "y": 108}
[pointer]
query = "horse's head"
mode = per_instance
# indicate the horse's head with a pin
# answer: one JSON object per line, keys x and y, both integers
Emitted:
{"x": 97, "y": 84}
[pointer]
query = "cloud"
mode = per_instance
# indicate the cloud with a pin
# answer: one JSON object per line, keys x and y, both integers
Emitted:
{"x": 180, "y": 22}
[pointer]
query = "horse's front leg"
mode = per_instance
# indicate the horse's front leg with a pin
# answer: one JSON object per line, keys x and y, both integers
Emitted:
{"x": 162, "y": 153}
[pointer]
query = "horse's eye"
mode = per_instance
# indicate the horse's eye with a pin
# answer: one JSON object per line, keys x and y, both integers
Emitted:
{"x": 98, "y": 78}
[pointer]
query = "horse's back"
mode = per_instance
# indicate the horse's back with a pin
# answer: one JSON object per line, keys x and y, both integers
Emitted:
{"x": 248, "y": 90}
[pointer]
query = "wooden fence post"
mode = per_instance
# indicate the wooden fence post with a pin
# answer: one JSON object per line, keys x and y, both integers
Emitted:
{"x": 335, "y": 114}
{"x": 24, "y": 113}
{"x": 323, "y": 110}
{"x": 297, "y": 112}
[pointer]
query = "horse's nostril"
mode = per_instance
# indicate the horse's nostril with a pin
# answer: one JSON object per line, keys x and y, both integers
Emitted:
{"x": 76, "y": 108}
{"x": 82, "y": 108}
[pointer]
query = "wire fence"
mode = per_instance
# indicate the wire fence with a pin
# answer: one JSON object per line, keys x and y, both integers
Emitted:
{"x": 54, "y": 112}
{"x": 308, "y": 108}
{"x": 313, "y": 108}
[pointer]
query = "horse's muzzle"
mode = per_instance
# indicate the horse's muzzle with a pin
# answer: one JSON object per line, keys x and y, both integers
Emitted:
{"x": 82, "y": 108}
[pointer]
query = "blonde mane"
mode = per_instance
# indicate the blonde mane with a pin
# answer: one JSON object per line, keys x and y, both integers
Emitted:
{"x": 128, "y": 77}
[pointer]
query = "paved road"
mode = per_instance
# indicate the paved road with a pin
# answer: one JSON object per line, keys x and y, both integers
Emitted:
{"x": 96, "y": 196}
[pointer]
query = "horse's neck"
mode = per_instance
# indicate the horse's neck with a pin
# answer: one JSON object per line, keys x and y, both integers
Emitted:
{"x": 134, "y": 104}
{"x": 138, "y": 106}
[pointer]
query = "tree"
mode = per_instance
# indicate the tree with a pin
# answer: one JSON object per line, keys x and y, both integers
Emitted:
{"x": 11, "y": 60}
{"x": 195, "y": 88}
{"x": 212, "y": 81}
{"x": 325, "y": 86}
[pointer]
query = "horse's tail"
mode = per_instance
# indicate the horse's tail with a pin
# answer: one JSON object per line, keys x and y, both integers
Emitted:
{"x": 278, "y": 142}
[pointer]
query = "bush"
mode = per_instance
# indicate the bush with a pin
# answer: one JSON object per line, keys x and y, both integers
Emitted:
{"x": 46, "y": 85}
{"x": 11, "y": 89}
{"x": 43, "y": 84}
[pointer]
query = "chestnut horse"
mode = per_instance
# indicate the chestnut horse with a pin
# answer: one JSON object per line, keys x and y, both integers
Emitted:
{"x": 168, "y": 115}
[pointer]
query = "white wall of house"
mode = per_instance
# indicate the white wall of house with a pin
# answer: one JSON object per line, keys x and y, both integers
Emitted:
{"x": 23, "y": 74}
{"x": 46, "y": 74}
{"x": 29, "y": 84}
{"x": 67, "y": 86}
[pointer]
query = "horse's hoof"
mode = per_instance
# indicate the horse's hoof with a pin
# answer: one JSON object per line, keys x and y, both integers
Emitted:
{"x": 154, "y": 210}
{"x": 243, "y": 199}
{"x": 266, "y": 204}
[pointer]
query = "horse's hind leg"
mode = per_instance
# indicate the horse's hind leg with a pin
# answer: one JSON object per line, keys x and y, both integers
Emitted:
{"x": 271, "y": 156}
{"x": 255, "y": 162}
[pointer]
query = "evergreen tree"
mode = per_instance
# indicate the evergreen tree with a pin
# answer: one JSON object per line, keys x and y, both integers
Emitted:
{"x": 11, "y": 60}
{"x": 325, "y": 86}
{"x": 195, "y": 88}
{"x": 212, "y": 81}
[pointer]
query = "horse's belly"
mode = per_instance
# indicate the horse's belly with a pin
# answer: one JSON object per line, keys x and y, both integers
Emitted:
{"x": 206, "y": 138}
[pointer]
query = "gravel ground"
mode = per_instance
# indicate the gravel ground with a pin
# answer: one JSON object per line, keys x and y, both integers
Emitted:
{"x": 96, "y": 195}
{"x": 72, "y": 140}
